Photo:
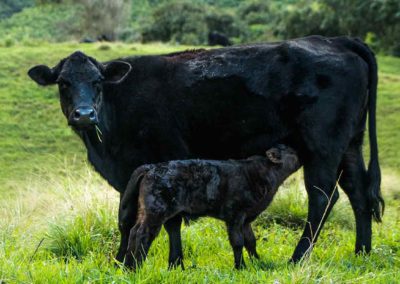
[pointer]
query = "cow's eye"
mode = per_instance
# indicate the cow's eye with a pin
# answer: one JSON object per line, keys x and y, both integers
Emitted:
{"x": 63, "y": 84}
{"x": 97, "y": 82}
{"x": 97, "y": 85}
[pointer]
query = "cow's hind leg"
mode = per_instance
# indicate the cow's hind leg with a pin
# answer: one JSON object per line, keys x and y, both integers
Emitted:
{"x": 320, "y": 179}
{"x": 173, "y": 228}
{"x": 354, "y": 181}
{"x": 250, "y": 240}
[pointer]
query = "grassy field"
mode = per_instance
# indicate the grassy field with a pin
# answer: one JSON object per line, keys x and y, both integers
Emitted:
{"x": 58, "y": 218}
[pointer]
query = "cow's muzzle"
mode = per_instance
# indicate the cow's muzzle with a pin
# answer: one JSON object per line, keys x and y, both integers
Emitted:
{"x": 83, "y": 117}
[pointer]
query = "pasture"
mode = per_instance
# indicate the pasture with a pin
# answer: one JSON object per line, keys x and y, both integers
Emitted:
{"x": 58, "y": 218}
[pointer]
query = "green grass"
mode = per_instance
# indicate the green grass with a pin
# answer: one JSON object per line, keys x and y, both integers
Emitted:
{"x": 58, "y": 218}
{"x": 388, "y": 119}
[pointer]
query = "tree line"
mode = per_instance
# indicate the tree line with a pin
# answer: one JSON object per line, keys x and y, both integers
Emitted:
{"x": 189, "y": 21}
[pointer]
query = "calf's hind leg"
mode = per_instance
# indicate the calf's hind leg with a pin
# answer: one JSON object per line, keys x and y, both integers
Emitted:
{"x": 173, "y": 228}
{"x": 140, "y": 241}
{"x": 126, "y": 220}
{"x": 128, "y": 258}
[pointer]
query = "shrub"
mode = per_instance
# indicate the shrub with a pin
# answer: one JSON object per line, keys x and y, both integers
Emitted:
{"x": 254, "y": 12}
{"x": 342, "y": 17}
{"x": 45, "y": 2}
{"x": 10, "y": 7}
{"x": 8, "y": 42}
{"x": 258, "y": 18}
{"x": 188, "y": 23}
{"x": 307, "y": 20}
{"x": 181, "y": 22}
{"x": 223, "y": 22}
{"x": 47, "y": 22}
{"x": 103, "y": 17}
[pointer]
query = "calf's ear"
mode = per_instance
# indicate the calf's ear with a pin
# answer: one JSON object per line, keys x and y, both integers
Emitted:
{"x": 116, "y": 71}
{"x": 42, "y": 75}
{"x": 274, "y": 155}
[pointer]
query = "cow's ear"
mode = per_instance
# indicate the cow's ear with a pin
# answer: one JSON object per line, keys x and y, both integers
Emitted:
{"x": 42, "y": 75}
{"x": 274, "y": 155}
{"x": 116, "y": 71}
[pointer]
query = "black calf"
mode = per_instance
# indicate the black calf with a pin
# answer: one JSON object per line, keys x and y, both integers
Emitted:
{"x": 235, "y": 191}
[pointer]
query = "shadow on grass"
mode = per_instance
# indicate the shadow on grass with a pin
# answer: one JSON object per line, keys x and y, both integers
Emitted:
{"x": 265, "y": 265}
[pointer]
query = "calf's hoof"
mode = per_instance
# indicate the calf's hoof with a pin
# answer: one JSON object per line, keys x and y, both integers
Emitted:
{"x": 254, "y": 256}
{"x": 175, "y": 264}
{"x": 240, "y": 266}
{"x": 120, "y": 257}
{"x": 130, "y": 262}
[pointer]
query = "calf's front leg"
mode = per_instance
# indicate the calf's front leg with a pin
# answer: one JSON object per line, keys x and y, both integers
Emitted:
{"x": 250, "y": 240}
{"x": 236, "y": 240}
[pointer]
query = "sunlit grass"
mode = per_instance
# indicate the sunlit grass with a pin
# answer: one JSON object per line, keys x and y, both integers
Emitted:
{"x": 71, "y": 222}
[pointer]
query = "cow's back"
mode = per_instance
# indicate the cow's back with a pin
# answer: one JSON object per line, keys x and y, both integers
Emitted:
{"x": 238, "y": 100}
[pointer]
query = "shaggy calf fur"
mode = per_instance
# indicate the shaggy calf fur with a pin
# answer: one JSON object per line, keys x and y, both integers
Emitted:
{"x": 235, "y": 191}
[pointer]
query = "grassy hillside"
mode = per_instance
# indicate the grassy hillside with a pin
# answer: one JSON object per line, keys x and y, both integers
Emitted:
{"x": 58, "y": 218}
{"x": 47, "y": 22}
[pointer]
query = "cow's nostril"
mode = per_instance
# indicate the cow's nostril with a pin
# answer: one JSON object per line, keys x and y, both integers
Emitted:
{"x": 77, "y": 114}
{"x": 84, "y": 116}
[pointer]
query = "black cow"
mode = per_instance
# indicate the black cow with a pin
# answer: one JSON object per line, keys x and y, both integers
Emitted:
{"x": 215, "y": 38}
{"x": 235, "y": 191}
{"x": 312, "y": 94}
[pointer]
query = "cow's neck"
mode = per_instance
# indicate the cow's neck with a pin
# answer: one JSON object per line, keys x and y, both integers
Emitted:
{"x": 94, "y": 140}
{"x": 98, "y": 137}
{"x": 97, "y": 141}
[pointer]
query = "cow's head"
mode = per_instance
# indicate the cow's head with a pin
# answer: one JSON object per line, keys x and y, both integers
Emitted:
{"x": 80, "y": 80}
{"x": 284, "y": 156}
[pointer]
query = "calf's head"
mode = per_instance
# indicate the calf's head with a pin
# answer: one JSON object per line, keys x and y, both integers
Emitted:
{"x": 285, "y": 158}
{"x": 80, "y": 80}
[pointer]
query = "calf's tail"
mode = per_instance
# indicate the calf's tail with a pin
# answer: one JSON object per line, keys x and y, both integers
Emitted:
{"x": 376, "y": 201}
{"x": 129, "y": 202}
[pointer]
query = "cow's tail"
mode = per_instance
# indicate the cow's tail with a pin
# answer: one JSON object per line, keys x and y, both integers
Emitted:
{"x": 377, "y": 204}
{"x": 130, "y": 199}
